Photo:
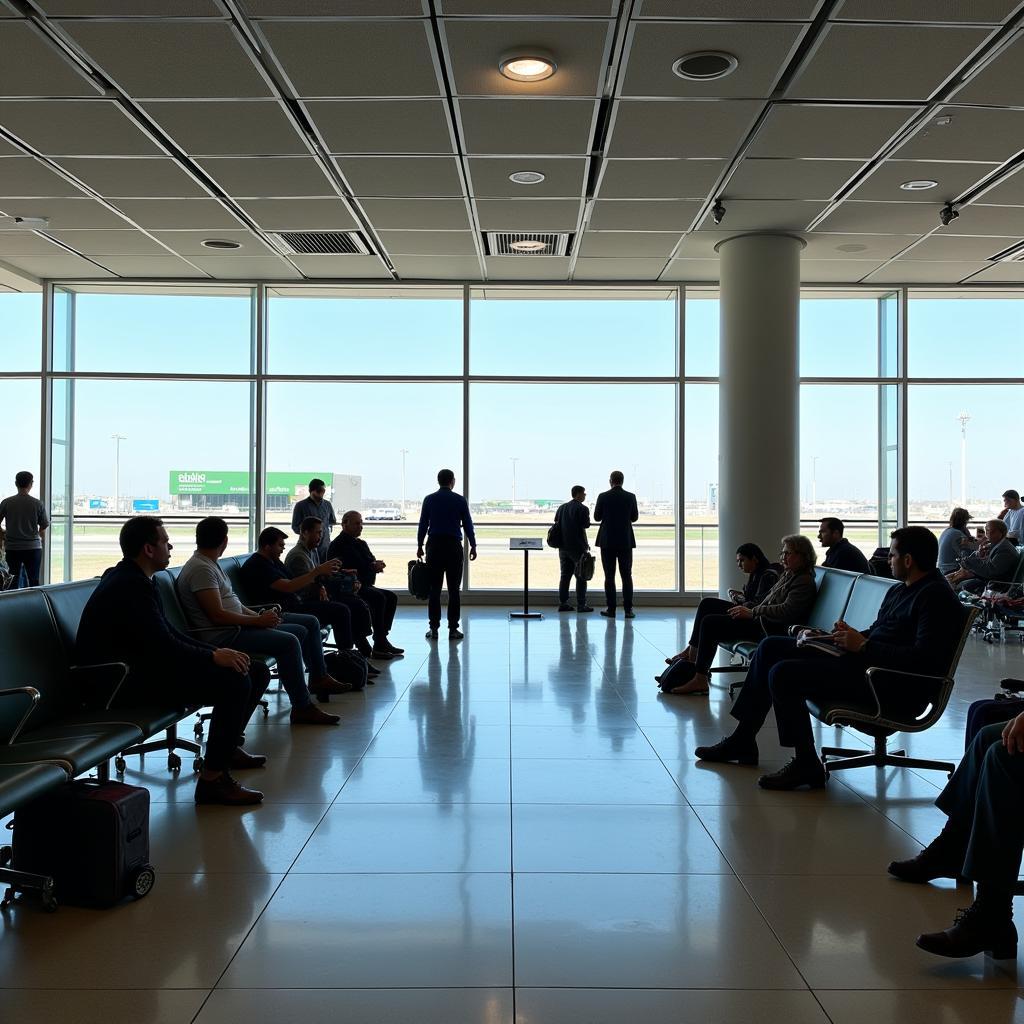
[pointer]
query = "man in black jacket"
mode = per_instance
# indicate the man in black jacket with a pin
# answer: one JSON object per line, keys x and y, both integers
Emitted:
{"x": 917, "y": 630}
{"x": 354, "y": 553}
{"x": 616, "y": 511}
{"x": 840, "y": 553}
{"x": 573, "y": 521}
{"x": 124, "y": 621}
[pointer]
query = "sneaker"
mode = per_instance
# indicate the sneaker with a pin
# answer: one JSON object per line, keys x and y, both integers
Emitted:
{"x": 941, "y": 858}
{"x": 974, "y": 932}
{"x": 312, "y": 715}
{"x": 801, "y": 771}
{"x": 381, "y": 653}
{"x": 454, "y": 634}
{"x": 584, "y": 608}
{"x": 225, "y": 790}
{"x": 565, "y": 607}
{"x": 241, "y": 760}
{"x": 396, "y": 652}
{"x": 431, "y": 633}
{"x": 608, "y": 613}
{"x": 731, "y": 748}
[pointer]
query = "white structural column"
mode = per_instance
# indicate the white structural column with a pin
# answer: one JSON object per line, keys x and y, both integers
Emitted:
{"x": 759, "y": 395}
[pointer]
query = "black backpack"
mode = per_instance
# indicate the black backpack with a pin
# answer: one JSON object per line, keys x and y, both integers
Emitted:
{"x": 555, "y": 531}
{"x": 347, "y": 667}
{"x": 419, "y": 580}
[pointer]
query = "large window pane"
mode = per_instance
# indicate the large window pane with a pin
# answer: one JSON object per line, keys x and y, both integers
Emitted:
{"x": 599, "y": 334}
{"x": 19, "y": 450}
{"x": 132, "y": 442}
{"x": 530, "y": 443}
{"x": 700, "y": 488}
{"x": 702, "y": 330}
{"x": 411, "y": 332}
{"x": 965, "y": 334}
{"x": 169, "y": 332}
{"x": 839, "y": 336}
{"x": 21, "y": 331}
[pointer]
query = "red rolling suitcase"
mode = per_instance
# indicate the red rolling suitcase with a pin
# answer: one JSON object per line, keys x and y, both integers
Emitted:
{"x": 92, "y": 838}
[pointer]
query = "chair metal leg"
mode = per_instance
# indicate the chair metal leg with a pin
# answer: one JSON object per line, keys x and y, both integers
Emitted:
{"x": 171, "y": 743}
{"x": 25, "y": 881}
{"x": 880, "y": 757}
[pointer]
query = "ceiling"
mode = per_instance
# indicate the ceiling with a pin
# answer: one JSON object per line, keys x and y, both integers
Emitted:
{"x": 139, "y": 128}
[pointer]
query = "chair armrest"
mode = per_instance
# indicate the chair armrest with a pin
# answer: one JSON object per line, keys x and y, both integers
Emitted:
{"x": 910, "y": 685}
{"x": 33, "y": 696}
{"x": 113, "y": 669}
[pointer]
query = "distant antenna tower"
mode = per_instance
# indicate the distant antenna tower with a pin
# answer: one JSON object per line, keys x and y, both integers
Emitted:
{"x": 964, "y": 418}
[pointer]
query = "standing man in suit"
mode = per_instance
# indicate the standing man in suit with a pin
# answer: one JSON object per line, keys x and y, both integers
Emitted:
{"x": 616, "y": 511}
{"x": 573, "y": 519}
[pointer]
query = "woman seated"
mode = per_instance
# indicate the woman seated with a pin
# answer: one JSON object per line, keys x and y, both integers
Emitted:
{"x": 786, "y": 603}
{"x": 954, "y": 541}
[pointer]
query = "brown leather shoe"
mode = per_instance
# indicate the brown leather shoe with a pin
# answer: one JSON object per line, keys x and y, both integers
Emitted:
{"x": 225, "y": 790}
{"x": 323, "y": 688}
{"x": 312, "y": 715}
{"x": 242, "y": 759}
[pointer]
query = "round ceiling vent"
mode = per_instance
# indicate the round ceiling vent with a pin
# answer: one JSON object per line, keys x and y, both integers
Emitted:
{"x": 526, "y": 177}
{"x": 220, "y": 243}
{"x": 851, "y": 247}
{"x": 918, "y": 185}
{"x": 705, "y": 65}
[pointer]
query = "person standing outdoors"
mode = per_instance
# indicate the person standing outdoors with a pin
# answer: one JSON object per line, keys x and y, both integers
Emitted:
{"x": 26, "y": 521}
{"x": 616, "y": 511}
{"x": 573, "y": 519}
{"x": 316, "y": 506}
{"x": 443, "y": 517}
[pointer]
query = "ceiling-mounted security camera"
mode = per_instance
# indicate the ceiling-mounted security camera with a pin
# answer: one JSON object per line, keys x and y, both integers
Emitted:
{"x": 718, "y": 211}
{"x": 947, "y": 214}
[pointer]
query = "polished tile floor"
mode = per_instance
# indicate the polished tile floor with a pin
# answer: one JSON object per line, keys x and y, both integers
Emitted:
{"x": 512, "y": 830}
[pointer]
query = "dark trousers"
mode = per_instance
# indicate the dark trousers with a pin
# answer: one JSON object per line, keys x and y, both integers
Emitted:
{"x": 713, "y": 626}
{"x": 624, "y": 558}
{"x": 30, "y": 561}
{"x": 358, "y": 612}
{"x": 569, "y": 565}
{"x": 445, "y": 561}
{"x": 983, "y": 801}
{"x": 382, "y": 604}
{"x": 785, "y": 675}
{"x": 335, "y": 614}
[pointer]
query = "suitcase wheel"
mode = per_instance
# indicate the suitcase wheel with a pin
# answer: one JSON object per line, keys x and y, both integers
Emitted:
{"x": 120, "y": 765}
{"x": 142, "y": 881}
{"x": 5, "y": 856}
{"x": 173, "y": 762}
{"x": 49, "y": 901}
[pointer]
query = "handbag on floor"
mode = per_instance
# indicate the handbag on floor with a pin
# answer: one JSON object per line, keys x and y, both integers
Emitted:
{"x": 347, "y": 667}
{"x": 677, "y": 674}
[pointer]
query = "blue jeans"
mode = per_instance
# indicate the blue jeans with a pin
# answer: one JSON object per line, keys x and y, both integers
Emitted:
{"x": 294, "y": 641}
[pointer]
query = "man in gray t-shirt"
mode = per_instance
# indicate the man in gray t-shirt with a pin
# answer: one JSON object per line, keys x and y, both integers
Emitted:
{"x": 25, "y": 521}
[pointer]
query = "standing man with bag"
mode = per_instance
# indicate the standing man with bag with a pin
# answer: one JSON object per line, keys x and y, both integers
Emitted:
{"x": 443, "y": 517}
{"x": 572, "y": 520}
{"x": 616, "y": 511}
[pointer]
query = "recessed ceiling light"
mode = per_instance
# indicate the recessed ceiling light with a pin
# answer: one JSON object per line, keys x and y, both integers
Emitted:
{"x": 943, "y": 121}
{"x": 528, "y": 245}
{"x": 918, "y": 185}
{"x": 526, "y": 177}
{"x": 528, "y": 65}
{"x": 220, "y": 243}
{"x": 705, "y": 65}
{"x": 851, "y": 247}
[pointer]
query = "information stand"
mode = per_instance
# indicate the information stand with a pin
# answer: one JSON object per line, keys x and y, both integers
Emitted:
{"x": 526, "y": 545}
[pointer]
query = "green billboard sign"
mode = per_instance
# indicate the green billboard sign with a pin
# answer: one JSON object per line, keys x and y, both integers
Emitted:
{"x": 210, "y": 481}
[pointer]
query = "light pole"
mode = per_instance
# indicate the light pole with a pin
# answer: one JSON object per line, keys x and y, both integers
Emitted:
{"x": 950, "y": 465}
{"x": 405, "y": 451}
{"x": 964, "y": 419}
{"x": 117, "y": 439}
{"x": 513, "y": 461}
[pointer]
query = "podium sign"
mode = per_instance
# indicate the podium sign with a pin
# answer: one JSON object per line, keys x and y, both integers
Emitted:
{"x": 526, "y": 544}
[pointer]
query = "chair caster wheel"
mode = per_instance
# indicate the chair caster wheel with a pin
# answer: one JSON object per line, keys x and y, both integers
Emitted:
{"x": 8, "y": 899}
{"x": 142, "y": 881}
{"x": 197, "y": 764}
{"x": 5, "y": 856}
{"x": 173, "y": 763}
{"x": 120, "y": 765}
{"x": 198, "y": 730}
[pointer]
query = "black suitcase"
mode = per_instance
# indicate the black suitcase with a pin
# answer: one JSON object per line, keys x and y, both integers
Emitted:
{"x": 92, "y": 838}
{"x": 419, "y": 580}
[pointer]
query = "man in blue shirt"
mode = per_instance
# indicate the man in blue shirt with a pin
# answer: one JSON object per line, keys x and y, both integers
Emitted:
{"x": 443, "y": 517}
{"x": 316, "y": 506}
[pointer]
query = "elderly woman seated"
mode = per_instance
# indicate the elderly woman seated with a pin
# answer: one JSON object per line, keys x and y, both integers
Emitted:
{"x": 787, "y": 603}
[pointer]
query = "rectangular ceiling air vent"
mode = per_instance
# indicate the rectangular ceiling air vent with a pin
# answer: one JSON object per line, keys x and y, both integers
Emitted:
{"x": 320, "y": 243}
{"x": 1013, "y": 254}
{"x": 527, "y": 243}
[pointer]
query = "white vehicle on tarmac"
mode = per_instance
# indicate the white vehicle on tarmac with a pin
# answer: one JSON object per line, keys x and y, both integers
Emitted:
{"x": 384, "y": 515}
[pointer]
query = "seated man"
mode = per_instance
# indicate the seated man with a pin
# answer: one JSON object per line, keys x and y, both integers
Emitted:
{"x": 981, "y": 841}
{"x": 354, "y": 553}
{"x": 208, "y": 600}
{"x": 1013, "y": 516}
{"x": 330, "y": 590}
{"x": 917, "y": 630}
{"x": 840, "y": 553}
{"x": 998, "y": 563}
{"x": 124, "y": 621}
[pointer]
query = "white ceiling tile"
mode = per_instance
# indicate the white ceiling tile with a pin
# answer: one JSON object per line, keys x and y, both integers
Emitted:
{"x": 763, "y": 49}
{"x": 563, "y": 178}
{"x": 906, "y": 62}
{"x": 954, "y": 179}
{"x": 344, "y": 58}
{"x": 228, "y": 128}
{"x": 300, "y": 214}
{"x": 881, "y": 218}
{"x": 962, "y": 11}
{"x": 341, "y": 266}
{"x": 1009, "y": 192}
{"x": 52, "y": 267}
{"x": 171, "y": 214}
{"x": 649, "y": 128}
{"x": 973, "y": 133}
{"x": 382, "y": 126}
{"x": 111, "y": 243}
{"x": 998, "y": 83}
{"x": 923, "y": 272}
{"x": 26, "y": 243}
{"x": 332, "y": 8}
{"x": 628, "y": 244}
{"x": 402, "y": 176}
{"x": 439, "y": 268}
{"x": 32, "y": 67}
{"x": 598, "y": 269}
{"x": 726, "y": 10}
{"x": 527, "y": 268}
{"x": 701, "y": 244}
{"x": 76, "y": 128}
{"x": 955, "y": 247}
{"x": 129, "y": 8}
{"x": 134, "y": 55}
{"x": 524, "y": 8}
{"x": 417, "y": 214}
{"x": 765, "y": 215}
{"x": 823, "y": 245}
{"x": 189, "y": 243}
{"x": 979, "y": 219}
{"x": 64, "y": 213}
{"x": 151, "y": 266}
{"x": 428, "y": 243}
{"x": 643, "y": 214}
{"x": 527, "y": 215}
{"x": 789, "y": 179}
{"x": 1001, "y": 273}
{"x": 246, "y": 268}
{"x": 274, "y": 177}
{"x": 692, "y": 270}
{"x": 835, "y": 271}
{"x": 658, "y": 179}
{"x": 579, "y": 48}
{"x": 537, "y": 127}
{"x": 131, "y": 177}
{"x": 827, "y": 131}
{"x": 23, "y": 176}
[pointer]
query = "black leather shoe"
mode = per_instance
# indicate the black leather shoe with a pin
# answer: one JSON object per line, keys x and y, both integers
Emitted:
{"x": 455, "y": 634}
{"x": 732, "y": 748}
{"x": 381, "y": 654}
{"x": 224, "y": 790}
{"x": 584, "y": 608}
{"x": 396, "y": 652}
{"x": 941, "y": 858}
{"x": 630, "y": 614}
{"x": 973, "y": 932}
{"x": 608, "y": 613}
{"x": 565, "y": 607}
{"x": 431, "y": 634}
{"x": 363, "y": 647}
{"x": 241, "y": 760}
{"x": 801, "y": 771}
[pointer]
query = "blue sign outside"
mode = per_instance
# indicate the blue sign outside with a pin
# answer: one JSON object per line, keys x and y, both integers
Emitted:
{"x": 146, "y": 505}
{"x": 97, "y": 503}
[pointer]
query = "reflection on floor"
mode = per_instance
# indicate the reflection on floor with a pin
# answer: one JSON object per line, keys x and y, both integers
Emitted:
{"x": 513, "y": 829}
